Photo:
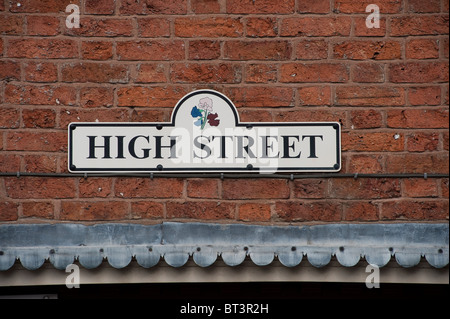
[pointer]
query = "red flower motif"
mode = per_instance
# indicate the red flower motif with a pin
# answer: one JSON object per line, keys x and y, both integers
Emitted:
{"x": 212, "y": 119}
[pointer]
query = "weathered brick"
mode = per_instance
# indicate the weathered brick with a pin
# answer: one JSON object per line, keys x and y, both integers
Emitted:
{"x": 367, "y": 72}
{"x": 203, "y": 188}
{"x": 9, "y": 211}
{"x": 261, "y": 27}
{"x": 39, "y": 6}
{"x": 364, "y": 188}
{"x": 9, "y": 70}
{"x": 260, "y": 73}
{"x": 147, "y": 7}
{"x": 102, "y": 27}
{"x": 99, "y": 6}
{"x": 310, "y": 114}
{"x": 366, "y": 164}
{"x": 95, "y": 72}
{"x": 444, "y": 47}
{"x": 201, "y": 210}
{"x": 445, "y": 140}
{"x": 9, "y": 118}
{"x": 208, "y": 27}
{"x": 38, "y": 209}
{"x": 11, "y": 24}
{"x": 166, "y": 50}
{"x": 360, "y": 211}
{"x": 314, "y": 95}
{"x": 205, "y": 73}
{"x": 95, "y": 187}
{"x": 42, "y": 25}
{"x": 418, "y": 163}
{"x": 260, "y": 6}
{"x": 364, "y": 50}
{"x": 316, "y": 26}
{"x": 41, "y": 72}
{"x": 415, "y": 210}
{"x": 149, "y": 115}
{"x": 150, "y": 96}
{"x": 373, "y": 142}
{"x": 312, "y": 50}
{"x": 254, "y": 189}
{"x": 39, "y": 118}
{"x": 422, "y": 49}
{"x": 415, "y": 72}
{"x": 151, "y": 73}
{"x": 277, "y": 50}
{"x": 419, "y": 25}
{"x": 36, "y": 141}
{"x": 370, "y": 96}
{"x": 93, "y": 210}
{"x": 424, "y": 95}
{"x": 44, "y": 48}
{"x": 314, "y": 72}
{"x": 261, "y": 96}
{"x": 310, "y": 188}
{"x": 40, "y": 187}
{"x": 418, "y": 118}
{"x": 422, "y": 141}
{"x": 351, "y": 6}
{"x": 204, "y": 50}
{"x": 154, "y": 27}
{"x": 367, "y": 118}
{"x": 40, "y": 95}
{"x": 9, "y": 163}
{"x": 314, "y": 6}
{"x": 254, "y": 212}
{"x": 147, "y": 210}
{"x": 96, "y": 50}
{"x": 96, "y": 97}
{"x": 92, "y": 115}
{"x": 252, "y": 115}
{"x": 424, "y": 7}
{"x": 420, "y": 187}
{"x": 205, "y": 6}
{"x": 445, "y": 187}
{"x": 40, "y": 163}
{"x": 144, "y": 187}
{"x": 299, "y": 211}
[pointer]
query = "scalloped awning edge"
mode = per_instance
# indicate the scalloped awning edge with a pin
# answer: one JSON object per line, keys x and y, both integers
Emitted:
{"x": 175, "y": 243}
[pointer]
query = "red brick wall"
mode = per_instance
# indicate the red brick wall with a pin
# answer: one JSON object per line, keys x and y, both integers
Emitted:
{"x": 277, "y": 60}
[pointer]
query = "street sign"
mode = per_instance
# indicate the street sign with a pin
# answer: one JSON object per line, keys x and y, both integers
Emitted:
{"x": 204, "y": 135}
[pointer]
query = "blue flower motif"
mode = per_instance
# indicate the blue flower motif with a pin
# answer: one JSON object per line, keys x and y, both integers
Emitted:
{"x": 199, "y": 122}
{"x": 195, "y": 112}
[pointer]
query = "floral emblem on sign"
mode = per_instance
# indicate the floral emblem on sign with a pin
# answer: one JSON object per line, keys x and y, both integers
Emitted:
{"x": 203, "y": 113}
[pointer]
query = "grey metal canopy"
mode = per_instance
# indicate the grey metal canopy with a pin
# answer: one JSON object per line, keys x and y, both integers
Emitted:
{"x": 62, "y": 244}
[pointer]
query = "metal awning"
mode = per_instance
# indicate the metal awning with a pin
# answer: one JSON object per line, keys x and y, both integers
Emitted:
{"x": 175, "y": 243}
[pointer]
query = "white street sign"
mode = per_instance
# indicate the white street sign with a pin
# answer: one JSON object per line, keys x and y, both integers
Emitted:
{"x": 204, "y": 135}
